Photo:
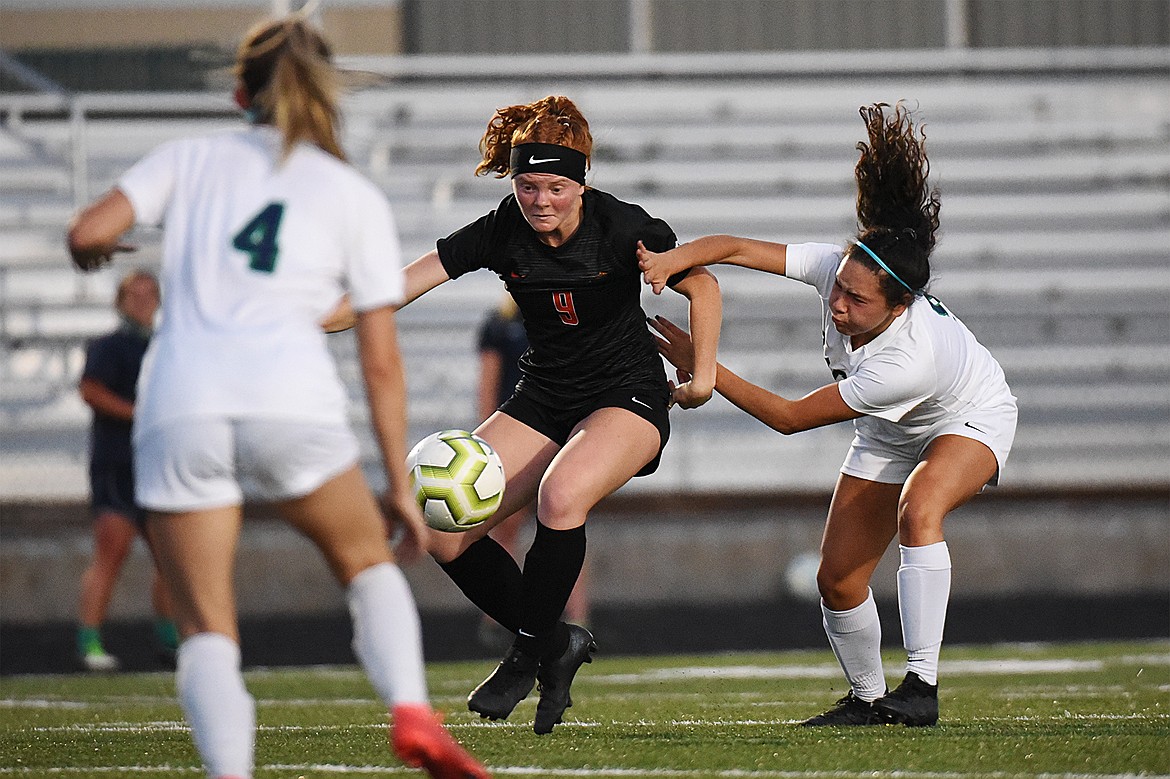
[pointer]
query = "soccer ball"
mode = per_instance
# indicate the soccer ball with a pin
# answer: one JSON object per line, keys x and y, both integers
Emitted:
{"x": 457, "y": 479}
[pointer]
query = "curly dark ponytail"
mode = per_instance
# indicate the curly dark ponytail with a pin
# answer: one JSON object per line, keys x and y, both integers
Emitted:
{"x": 897, "y": 214}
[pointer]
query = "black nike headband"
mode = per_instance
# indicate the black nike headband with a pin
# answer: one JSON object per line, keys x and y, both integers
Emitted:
{"x": 547, "y": 158}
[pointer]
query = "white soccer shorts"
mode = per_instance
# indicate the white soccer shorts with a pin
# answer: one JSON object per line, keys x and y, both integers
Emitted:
{"x": 875, "y": 457}
{"x": 210, "y": 462}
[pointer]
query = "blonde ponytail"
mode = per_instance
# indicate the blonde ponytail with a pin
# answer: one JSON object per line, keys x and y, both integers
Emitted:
{"x": 288, "y": 74}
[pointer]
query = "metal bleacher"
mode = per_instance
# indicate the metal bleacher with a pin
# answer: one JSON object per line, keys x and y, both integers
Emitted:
{"x": 1055, "y": 248}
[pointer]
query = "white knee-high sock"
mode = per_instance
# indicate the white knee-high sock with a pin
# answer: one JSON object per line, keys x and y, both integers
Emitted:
{"x": 856, "y": 638}
{"x": 221, "y": 713}
{"x": 386, "y": 635}
{"x": 924, "y": 587}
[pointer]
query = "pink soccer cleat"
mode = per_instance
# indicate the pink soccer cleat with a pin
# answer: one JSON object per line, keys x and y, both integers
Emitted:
{"x": 420, "y": 741}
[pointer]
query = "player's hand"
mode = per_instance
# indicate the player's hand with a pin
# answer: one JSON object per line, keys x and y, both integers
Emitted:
{"x": 99, "y": 258}
{"x": 687, "y": 393}
{"x": 674, "y": 343}
{"x": 404, "y": 518}
{"x": 657, "y": 267}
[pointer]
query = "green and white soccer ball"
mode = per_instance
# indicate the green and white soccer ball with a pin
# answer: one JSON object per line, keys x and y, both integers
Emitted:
{"x": 457, "y": 479}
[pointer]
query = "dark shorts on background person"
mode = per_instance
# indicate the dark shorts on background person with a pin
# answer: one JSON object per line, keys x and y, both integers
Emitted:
{"x": 557, "y": 422}
{"x": 112, "y": 490}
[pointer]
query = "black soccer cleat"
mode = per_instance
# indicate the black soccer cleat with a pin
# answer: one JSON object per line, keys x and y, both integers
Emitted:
{"x": 556, "y": 676}
{"x": 510, "y": 683}
{"x": 913, "y": 703}
{"x": 846, "y": 712}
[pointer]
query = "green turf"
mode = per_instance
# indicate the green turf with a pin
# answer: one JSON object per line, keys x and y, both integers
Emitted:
{"x": 1073, "y": 710}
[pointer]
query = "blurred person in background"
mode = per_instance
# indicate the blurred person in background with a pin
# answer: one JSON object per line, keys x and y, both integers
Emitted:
{"x": 591, "y": 408}
{"x": 501, "y": 343}
{"x": 264, "y": 229}
{"x": 933, "y": 414}
{"x": 109, "y": 387}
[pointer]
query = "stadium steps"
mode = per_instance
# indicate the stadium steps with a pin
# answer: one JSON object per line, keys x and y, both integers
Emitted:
{"x": 25, "y": 174}
{"x": 696, "y": 141}
{"x": 1056, "y": 223}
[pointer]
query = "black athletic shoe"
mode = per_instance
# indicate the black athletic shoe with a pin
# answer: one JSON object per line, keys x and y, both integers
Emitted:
{"x": 556, "y": 675}
{"x": 913, "y": 703}
{"x": 847, "y": 711}
{"x": 510, "y": 683}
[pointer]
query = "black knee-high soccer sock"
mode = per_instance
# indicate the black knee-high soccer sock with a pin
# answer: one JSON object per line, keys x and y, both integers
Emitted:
{"x": 491, "y": 579}
{"x": 551, "y": 568}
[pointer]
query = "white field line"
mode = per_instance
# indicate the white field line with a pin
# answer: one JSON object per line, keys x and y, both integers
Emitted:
{"x": 1072, "y": 691}
{"x": 765, "y": 774}
{"x": 683, "y": 773}
{"x": 112, "y": 770}
{"x": 41, "y": 703}
{"x": 665, "y": 773}
{"x": 753, "y": 699}
{"x": 946, "y": 668}
{"x": 371, "y": 701}
{"x": 619, "y": 772}
{"x": 114, "y": 727}
{"x": 339, "y": 672}
{"x": 1144, "y": 659}
{"x": 455, "y": 702}
{"x": 107, "y": 701}
{"x": 179, "y": 727}
{"x": 103, "y": 700}
{"x": 1011, "y": 666}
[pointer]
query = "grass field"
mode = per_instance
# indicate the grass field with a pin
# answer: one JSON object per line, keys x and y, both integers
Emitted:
{"x": 1073, "y": 710}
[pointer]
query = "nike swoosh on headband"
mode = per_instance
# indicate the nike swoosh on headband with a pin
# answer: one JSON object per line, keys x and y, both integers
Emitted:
{"x": 546, "y": 158}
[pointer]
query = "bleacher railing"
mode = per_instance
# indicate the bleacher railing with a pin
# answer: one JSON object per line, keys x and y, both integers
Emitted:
{"x": 1084, "y": 348}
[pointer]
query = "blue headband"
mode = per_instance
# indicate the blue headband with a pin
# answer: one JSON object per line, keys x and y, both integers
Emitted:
{"x": 883, "y": 266}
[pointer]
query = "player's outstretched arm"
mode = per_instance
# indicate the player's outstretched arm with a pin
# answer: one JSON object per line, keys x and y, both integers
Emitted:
{"x": 657, "y": 267}
{"x": 421, "y": 276}
{"x": 820, "y": 407}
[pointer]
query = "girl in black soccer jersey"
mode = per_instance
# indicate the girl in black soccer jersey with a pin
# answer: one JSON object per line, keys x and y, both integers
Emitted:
{"x": 590, "y": 411}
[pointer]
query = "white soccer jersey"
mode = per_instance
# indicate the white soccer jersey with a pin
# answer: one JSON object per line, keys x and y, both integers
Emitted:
{"x": 256, "y": 251}
{"x": 925, "y": 368}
